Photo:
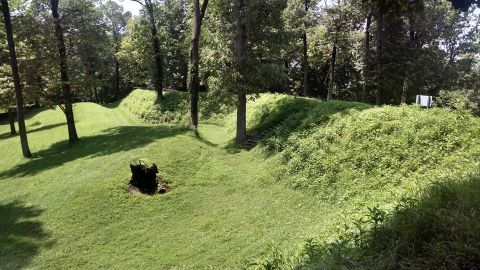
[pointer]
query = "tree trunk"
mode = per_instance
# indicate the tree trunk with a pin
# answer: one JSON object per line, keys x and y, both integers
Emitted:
{"x": 406, "y": 86}
{"x": 16, "y": 80}
{"x": 379, "y": 37}
{"x": 193, "y": 71}
{"x": 305, "y": 65}
{"x": 95, "y": 92}
{"x": 411, "y": 58}
{"x": 117, "y": 79}
{"x": 305, "y": 57}
{"x": 241, "y": 50}
{"x": 117, "y": 40}
{"x": 366, "y": 62}
{"x": 157, "y": 54}
{"x": 331, "y": 82}
{"x": 11, "y": 121}
{"x": 67, "y": 92}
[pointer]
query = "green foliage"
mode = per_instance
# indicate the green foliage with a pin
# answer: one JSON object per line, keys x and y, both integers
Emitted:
{"x": 460, "y": 100}
{"x": 343, "y": 148}
{"x": 7, "y": 94}
{"x": 219, "y": 214}
{"x": 173, "y": 109}
{"x": 439, "y": 230}
{"x": 143, "y": 104}
{"x": 353, "y": 219}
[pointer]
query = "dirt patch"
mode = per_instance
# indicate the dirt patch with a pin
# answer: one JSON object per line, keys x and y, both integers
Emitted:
{"x": 163, "y": 186}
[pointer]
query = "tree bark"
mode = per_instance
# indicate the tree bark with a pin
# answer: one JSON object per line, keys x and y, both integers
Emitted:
{"x": 379, "y": 55}
{"x": 331, "y": 82}
{"x": 16, "y": 80}
{"x": 411, "y": 58}
{"x": 194, "y": 65}
{"x": 117, "y": 79}
{"x": 66, "y": 89}
{"x": 11, "y": 121}
{"x": 366, "y": 62}
{"x": 157, "y": 54}
{"x": 117, "y": 40}
{"x": 241, "y": 50}
{"x": 305, "y": 57}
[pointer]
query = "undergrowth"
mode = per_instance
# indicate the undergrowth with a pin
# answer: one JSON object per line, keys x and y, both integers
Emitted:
{"x": 438, "y": 229}
{"x": 370, "y": 163}
{"x": 172, "y": 109}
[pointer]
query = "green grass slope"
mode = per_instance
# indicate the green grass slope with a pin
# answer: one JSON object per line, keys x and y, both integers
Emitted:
{"x": 344, "y": 149}
{"x": 69, "y": 208}
{"x": 437, "y": 230}
{"x": 324, "y": 163}
{"x": 173, "y": 109}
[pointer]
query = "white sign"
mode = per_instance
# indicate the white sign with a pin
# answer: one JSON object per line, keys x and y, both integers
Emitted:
{"x": 425, "y": 101}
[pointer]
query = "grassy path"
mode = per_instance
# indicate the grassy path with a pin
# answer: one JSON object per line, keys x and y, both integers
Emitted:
{"x": 68, "y": 207}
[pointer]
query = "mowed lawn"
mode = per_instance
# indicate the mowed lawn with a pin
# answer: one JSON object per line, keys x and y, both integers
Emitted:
{"x": 69, "y": 207}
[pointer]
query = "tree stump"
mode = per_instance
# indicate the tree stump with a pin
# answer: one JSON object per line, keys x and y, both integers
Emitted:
{"x": 144, "y": 178}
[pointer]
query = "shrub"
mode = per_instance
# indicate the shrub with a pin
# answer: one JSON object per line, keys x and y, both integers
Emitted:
{"x": 460, "y": 100}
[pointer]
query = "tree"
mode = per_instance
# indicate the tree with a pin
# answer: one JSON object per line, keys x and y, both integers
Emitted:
{"x": 16, "y": 80}
{"x": 241, "y": 53}
{"x": 305, "y": 54}
{"x": 66, "y": 89}
{"x": 366, "y": 58}
{"x": 116, "y": 21}
{"x": 157, "y": 54}
{"x": 193, "y": 71}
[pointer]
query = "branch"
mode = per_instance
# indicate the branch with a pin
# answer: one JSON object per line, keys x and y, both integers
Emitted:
{"x": 204, "y": 9}
{"x": 140, "y": 2}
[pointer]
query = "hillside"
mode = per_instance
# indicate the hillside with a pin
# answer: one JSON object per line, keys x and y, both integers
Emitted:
{"x": 322, "y": 166}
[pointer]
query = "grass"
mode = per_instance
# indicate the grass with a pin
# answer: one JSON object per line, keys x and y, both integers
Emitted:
{"x": 68, "y": 207}
{"x": 437, "y": 230}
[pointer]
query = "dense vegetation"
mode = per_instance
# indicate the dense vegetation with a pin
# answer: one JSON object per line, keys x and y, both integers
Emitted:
{"x": 260, "y": 118}
{"x": 269, "y": 190}
{"x": 376, "y": 51}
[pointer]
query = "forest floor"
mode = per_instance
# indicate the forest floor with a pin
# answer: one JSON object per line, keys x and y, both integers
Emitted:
{"x": 68, "y": 207}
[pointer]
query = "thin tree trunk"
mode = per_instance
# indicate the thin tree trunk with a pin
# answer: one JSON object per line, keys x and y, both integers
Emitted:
{"x": 117, "y": 64}
{"x": 406, "y": 86}
{"x": 410, "y": 62}
{"x": 331, "y": 82}
{"x": 194, "y": 65}
{"x": 95, "y": 92}
{"x": 305, "y": 57}
{"x": 117, "y": 79}
{"x": 67, "y": 92}
{"x": 366, "y": 62}
{"x": 157, "y": 54}
{"x": 16, "y": 80}
{"x": 241, "y": 50}
{"x": 11, "y": 121}
{"x": 305, "y": 65}
{"x": 379, "y": 37}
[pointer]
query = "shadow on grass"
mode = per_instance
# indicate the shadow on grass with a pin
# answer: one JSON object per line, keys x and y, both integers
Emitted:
{"x": 7, "y": 135}
{"x": 21, "y": 236}
{"x": 43, "y": 128}
{"x": 110, "y": 141}
{"x": 32, "y": 130}
{"x": 440, "y": 230}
